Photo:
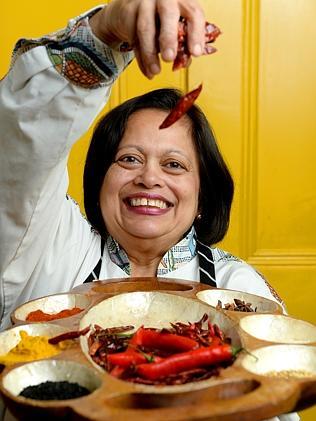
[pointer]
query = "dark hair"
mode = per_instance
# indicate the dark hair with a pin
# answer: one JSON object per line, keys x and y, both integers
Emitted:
{"x": 216, "y": 184}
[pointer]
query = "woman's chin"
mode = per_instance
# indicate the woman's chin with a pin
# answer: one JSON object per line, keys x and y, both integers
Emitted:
{"x": 146, "y": 235}
{"x": 146, "y": 232}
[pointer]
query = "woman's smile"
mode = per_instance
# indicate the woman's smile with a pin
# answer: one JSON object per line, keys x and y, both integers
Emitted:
{"x": 147, "y": 204}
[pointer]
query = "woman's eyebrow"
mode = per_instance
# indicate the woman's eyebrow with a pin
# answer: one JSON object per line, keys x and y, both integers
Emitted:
{"x": 139, "y": 148}
{"x": 142, "y": 150}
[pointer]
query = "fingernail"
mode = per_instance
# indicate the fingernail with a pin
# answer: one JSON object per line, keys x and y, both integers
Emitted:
{"x": 154, "y": 69}
{"x": 197, "y": 50}
{"x": 149, "y": 75}
{"x": 168, "y": 54}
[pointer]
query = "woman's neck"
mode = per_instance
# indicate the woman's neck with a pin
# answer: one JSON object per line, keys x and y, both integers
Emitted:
{"x": 144, "y": 261}
{"x": 144, "y": 256}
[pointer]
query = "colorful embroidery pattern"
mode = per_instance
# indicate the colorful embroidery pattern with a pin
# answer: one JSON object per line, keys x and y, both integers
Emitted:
{"x": 118, "y": 255}
{"x": 221, "y": 255}
{"x": 78, "y": 55}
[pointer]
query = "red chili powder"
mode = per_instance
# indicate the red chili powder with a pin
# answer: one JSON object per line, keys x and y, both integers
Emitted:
{"x": 40, "y": 316}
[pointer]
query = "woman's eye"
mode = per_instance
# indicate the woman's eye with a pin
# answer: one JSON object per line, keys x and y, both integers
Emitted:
{"x": 128, "y": 159}
{"x": 175, "y": 165}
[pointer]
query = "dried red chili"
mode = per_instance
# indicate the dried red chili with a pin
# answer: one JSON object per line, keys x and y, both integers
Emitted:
{"x": 41, "y": 316}
{"x": 182, "y": 106}
{"x": 183, "y": 58}
{"x": 73, "y": 334}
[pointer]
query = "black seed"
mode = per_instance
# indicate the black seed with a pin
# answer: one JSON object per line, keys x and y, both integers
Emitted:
{"x": 54, "y": 391}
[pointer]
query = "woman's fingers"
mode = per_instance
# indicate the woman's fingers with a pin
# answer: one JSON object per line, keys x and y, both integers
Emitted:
{"x": 195, "y": 17}
{"x": 146, "y": 38}
{"x": 163, "y": 38}
{"x": 151, "y": 27}
{"x": 169, "y": 15}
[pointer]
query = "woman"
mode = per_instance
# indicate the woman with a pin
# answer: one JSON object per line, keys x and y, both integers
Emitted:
{"x": 147, "y": 191}
{"x": 143, "y": 184}
{"x": 153, "y": 197}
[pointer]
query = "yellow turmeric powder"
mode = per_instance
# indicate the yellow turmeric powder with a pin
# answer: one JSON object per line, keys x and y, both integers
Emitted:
{"x": 31, "y": 348}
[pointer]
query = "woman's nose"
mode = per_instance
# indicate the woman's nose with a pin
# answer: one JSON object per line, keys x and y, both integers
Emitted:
{"x": 150, "y": 175}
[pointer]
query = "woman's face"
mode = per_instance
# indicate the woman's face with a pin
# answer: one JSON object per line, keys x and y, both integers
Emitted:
{"x": 151, "y": 190}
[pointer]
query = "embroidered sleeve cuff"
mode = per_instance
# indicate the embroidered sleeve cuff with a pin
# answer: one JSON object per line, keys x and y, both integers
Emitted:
{"x": 78, "y": 55}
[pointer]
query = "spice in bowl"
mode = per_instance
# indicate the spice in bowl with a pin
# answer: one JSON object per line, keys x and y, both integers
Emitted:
{"x": 59, "y": 390}
{"x": 41, "y": 316}
{"x": 237, "y": 305}
{"x": 31, "y": 348}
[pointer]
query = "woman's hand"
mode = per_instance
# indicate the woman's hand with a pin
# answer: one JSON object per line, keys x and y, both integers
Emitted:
{"x": 135, "y": 22}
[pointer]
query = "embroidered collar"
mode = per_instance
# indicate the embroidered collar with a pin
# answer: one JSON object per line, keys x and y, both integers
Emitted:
{"x": 179, "y": 255}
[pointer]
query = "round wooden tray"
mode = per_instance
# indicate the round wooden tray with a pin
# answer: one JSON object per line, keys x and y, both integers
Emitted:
{"x": 242, "y": 391}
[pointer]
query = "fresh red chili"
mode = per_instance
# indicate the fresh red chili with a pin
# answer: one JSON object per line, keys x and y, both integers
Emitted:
{"x": 117, "y": 371}
{"x": 150, "y": 338}
{"x": 175, "y": 364}
{"x": 128, "y": 358}
{"x": 181, "y": 107}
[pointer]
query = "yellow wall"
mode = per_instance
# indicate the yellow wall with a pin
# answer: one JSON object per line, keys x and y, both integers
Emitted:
{"x": 259, "y": 92}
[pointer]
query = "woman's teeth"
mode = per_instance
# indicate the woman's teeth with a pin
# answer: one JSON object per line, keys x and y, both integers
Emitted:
{"x": 148, "y": 202}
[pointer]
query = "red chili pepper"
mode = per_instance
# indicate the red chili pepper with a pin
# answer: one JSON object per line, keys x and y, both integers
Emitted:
{"x": 117, "y": 371}
{"x": 128, "y": 358}
{"x": 211, "y": 329}
{"x": 68, "y": 335}
{"x": 93, "y": 349}
{"x": 150, "y": 338}
{"x": 219, "y": 332}
{"x": 201, "y": 357}
{"x": 183, "y": 58}
{"x": 136, "y": 338}
{"x": 181, "y": 108}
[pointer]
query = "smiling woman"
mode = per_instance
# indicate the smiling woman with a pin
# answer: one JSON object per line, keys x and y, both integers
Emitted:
{"x": 149, "y": 180}
{"x": 156, "y": 200}
{"x": 151, "y": 190}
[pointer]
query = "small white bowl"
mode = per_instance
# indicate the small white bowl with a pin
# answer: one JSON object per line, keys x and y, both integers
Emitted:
{"x": 227, "y": 296}
{"x": 283, "y": 361}
{"x": 51, "y": 304}
{"x": 279, "y": 329}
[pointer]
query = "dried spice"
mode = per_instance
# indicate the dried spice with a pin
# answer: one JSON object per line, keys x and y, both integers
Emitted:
{"x": 183, "y": 58}
{"x": 237, "y": 305}
{"x": 182, "y": 106}
{"x": 31, "y": 348}
{"x": 73, "y": 334}
{"x": 288, "y": 374}
{"x": 54, "y": 391}
{"x": 41, "y": 316}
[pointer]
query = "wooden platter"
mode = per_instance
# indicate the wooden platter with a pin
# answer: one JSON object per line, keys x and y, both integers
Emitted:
{"x": 253, "y": 388}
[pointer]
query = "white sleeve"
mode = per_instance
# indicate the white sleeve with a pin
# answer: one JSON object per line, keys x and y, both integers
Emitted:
{"x": 233, "y": 273}
{"x": 51, "y": 95}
